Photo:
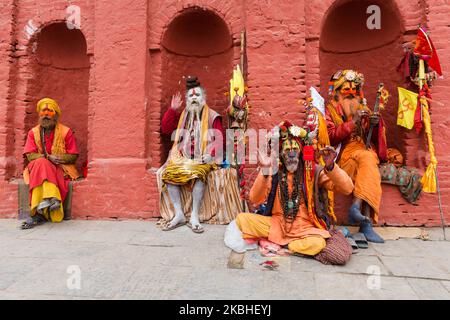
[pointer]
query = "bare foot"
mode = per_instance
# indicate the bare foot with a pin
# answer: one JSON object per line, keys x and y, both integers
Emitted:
{"x": 177, "y": 221}
{"x": 195, "y": 225}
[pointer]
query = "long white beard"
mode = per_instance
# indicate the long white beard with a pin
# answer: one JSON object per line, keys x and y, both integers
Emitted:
{"x": 193, "y": 126}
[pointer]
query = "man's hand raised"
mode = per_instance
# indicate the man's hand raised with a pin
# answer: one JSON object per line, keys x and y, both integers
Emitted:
{"x": 177, "y": 102}
{"x": 329, "y": 155}
{"x": 268, "y": 164}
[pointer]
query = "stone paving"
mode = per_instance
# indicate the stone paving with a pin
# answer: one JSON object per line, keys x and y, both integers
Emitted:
{"x": 135, "y": 260}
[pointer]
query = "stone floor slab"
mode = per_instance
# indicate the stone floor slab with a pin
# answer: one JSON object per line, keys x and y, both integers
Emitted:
{"x": 429, "y": 289}
{"x": 136, "y": 260}
{"x": 416, "y": 267}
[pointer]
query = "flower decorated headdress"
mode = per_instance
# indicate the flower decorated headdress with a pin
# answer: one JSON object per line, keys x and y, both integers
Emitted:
{"x": 286, "y": 130}
{"x": 342, "y": 76}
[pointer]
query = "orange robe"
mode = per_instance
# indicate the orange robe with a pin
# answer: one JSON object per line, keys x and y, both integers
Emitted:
{"x": 362, "y": 166}
{"x": 275, "y": 228}
{"x": 359, "y": 163}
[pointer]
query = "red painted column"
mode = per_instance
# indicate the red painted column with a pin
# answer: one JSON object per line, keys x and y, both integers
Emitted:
{"x": 117, "y": 184}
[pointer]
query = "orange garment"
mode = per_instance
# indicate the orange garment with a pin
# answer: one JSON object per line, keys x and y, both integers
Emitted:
{"x": 257, "y": 226}
{"x": 282, "y": 232}
{"x": 362, "y": 166}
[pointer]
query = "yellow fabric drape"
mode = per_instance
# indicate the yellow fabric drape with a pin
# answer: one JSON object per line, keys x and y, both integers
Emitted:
{"x": 46, "y": 191}
{"x": 429, "y": 178}
{"x": 58, "y": 148}
{"x": 337, "y": 119}
{"x": 181, "y": 170}
{"x": 204, "y": 130}
{"x": 324, "y": 141}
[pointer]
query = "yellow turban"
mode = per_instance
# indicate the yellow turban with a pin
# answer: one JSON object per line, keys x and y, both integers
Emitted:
{"x": 52, "y": 103}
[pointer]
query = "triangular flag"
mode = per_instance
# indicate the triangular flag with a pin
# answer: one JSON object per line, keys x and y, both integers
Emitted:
{"x": 426, "y": 50}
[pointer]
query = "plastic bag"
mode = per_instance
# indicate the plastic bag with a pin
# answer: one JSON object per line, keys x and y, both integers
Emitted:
{"x": 233, "y": 239}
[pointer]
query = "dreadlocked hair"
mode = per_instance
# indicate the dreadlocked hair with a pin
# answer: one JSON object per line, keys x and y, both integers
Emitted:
{"x": 290, "y": 213}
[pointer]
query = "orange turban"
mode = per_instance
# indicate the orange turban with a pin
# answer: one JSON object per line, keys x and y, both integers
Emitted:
{"x": 52, "y": 104}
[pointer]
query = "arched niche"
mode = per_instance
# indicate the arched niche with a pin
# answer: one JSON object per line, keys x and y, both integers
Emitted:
{"x": 60, "y": 70}
{"x": 346, "y": 42}
{"x": 196, "y": 42}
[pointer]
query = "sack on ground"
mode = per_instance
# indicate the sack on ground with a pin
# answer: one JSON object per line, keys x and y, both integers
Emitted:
{"x": 337, "y": 251}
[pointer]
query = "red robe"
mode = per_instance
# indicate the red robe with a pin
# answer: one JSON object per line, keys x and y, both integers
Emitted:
{"x": 42, "y": 169}
{"x": 342, "y": 133}
{"x": 170, "y": 120}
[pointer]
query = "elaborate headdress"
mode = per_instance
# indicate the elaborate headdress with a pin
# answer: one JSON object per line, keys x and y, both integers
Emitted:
{"x": 342, "y": 76}
{"x": 286, "y": 130}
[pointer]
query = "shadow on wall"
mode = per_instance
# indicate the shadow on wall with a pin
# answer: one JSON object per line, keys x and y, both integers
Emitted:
{"x": 60, "y": 70}
{"x": 197, "y": 42}
{"x": 347, "y": 43}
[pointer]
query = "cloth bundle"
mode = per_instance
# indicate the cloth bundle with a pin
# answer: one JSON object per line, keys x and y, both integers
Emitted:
{"x": 337, "y": 251}
{"x": 407, "y": 179}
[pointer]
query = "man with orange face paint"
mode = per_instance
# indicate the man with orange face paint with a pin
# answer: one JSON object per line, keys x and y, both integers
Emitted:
{"x": 51, "y": 151}
{"x": 348, "y": 121}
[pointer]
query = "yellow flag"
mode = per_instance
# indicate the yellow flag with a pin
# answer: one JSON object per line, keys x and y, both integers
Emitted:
{"x": 407, "y": 105}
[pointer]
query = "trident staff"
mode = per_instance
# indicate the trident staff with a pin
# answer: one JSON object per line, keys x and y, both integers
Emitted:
{"x": 376, "y": 110}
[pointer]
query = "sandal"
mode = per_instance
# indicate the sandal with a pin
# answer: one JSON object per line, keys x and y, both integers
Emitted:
{"x": 196, "y": 229}
{"x": 360, "y": 240}
{"x": 32, "y": 222}
{"x": 168, "y": 227}
{"x": 55, "y": 204}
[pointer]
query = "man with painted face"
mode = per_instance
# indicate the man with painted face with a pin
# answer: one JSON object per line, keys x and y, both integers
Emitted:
{"x": 348, "y": 122}
{"x": 51, "y": 151}
{"x": 281, "y": 186}
{"x": 198, "y": 134}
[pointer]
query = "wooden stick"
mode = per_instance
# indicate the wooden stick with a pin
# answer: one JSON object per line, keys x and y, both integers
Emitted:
{"x": 440, "y": 204}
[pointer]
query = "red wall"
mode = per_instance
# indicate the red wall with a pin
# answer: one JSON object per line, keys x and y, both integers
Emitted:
{"x": 131, "y": 67}
{"x": 60, "y": 68}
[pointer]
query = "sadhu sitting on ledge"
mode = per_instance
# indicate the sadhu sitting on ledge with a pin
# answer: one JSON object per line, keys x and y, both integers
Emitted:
{"x": 52, "y": 152}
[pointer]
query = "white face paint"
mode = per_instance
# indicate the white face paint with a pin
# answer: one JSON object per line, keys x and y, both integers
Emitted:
{"x": 195, "y": 99}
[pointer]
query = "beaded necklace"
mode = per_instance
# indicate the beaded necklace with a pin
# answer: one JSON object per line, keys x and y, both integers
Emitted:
{"x": 291, "y": 203}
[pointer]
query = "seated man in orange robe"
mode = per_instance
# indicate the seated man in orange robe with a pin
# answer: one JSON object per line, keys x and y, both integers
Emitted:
{"x": 293, "y": 222}
{"x": 348, "y": 121}
{"x": 52, "y": 152}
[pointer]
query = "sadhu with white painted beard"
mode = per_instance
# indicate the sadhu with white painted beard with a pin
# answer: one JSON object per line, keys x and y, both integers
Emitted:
{"x": 198, "y": 134}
